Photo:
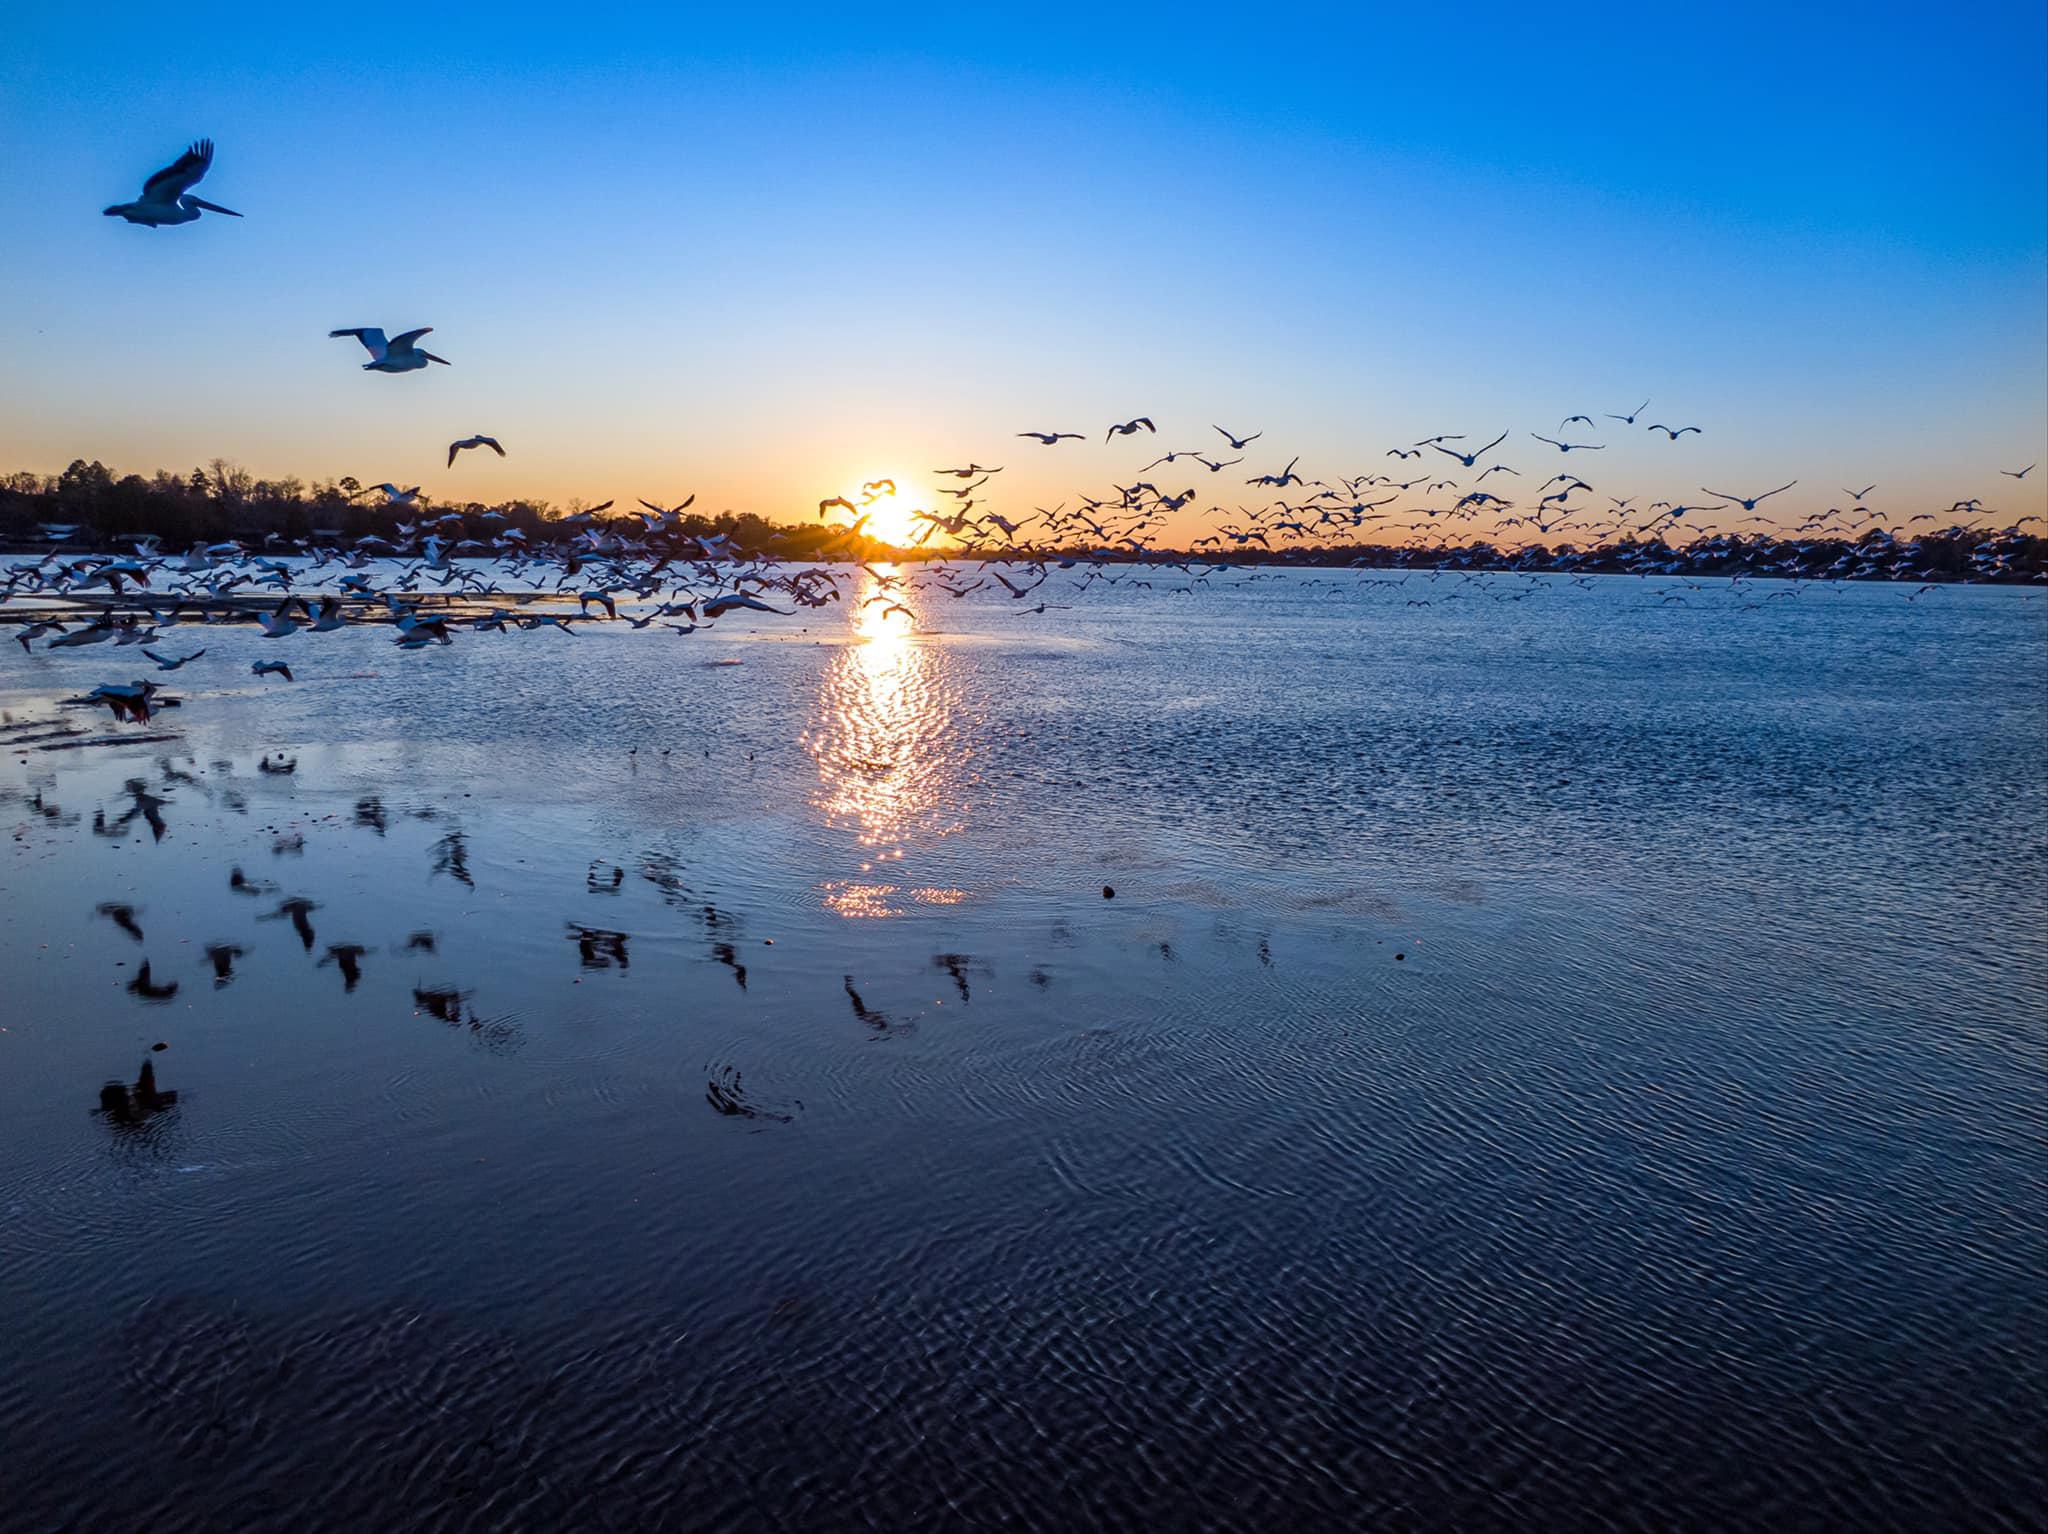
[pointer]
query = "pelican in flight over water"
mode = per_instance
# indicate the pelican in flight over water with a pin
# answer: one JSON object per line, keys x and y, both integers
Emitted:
{"x": 164, "y": 199}
{"x": 397, "y": 355}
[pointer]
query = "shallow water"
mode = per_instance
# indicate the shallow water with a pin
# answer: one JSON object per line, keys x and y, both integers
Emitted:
{"x": 1554, "y": 1057}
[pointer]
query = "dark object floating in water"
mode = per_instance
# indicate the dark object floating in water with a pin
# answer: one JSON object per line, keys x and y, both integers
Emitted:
{"x": 131, "y": 1105}
{"x": 1108, "y": 893}
{"x": 158, "y": 1047}
{"x": 724, "y": 1092}
{"x": 1400, "y": 956}
{"x": 442, "y": 1002}
{"x": 279, "y": 764}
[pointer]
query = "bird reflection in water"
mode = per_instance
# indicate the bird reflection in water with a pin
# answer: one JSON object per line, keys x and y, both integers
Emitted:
{"x": 349, "y": 958}
{"x": 451, "y": 857}
{"x": 128, "y": 1107}
{"x": 597, "y": 948}
{"x": 889, "y": 755}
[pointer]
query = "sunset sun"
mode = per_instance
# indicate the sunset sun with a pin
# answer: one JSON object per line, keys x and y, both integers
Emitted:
{"x": 887, "y": 501}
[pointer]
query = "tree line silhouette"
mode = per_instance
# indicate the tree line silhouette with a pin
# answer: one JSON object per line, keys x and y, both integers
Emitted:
{"x": 223, "y": 502}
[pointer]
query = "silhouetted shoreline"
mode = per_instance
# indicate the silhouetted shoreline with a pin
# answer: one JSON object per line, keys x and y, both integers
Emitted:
{"x": 88, "y": 511}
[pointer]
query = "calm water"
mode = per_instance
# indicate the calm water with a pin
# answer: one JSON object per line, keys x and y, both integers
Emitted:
{"x": 1567, "y": 1060}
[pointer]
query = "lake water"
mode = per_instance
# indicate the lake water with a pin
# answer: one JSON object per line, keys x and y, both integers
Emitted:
{"x": 1555, "y": 1057}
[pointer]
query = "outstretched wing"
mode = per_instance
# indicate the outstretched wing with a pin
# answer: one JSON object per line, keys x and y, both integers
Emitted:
{"x": 400, "y": 343}
{"x": 372, "y": 338}
{"x": 170, "y": 183}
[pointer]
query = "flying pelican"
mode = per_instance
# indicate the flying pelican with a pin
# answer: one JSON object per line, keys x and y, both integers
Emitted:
{"x": 1130, "y": 428}
{"x": 131, "y": 701}
{"x": 721, "y": 605}
{"x": 270, "y": 668}
{"x": 163, "y": 199}
{"x": 1673, "y": 433}
{"x": 2017, "y": 473}
{"x": 1048, "y": 438}
{"x": 397, "y": 355}
{"x": 456, "y": 447}
{"x": 1748, "y": 503}
{"x": 170, "y": 662}
{"x": 393, "y": 496}
{"x": 1469, "y": 460}
{"x": 1239, "y": 444}
{"x": 278, "y": 625}
{"x": 1630, "y": 418}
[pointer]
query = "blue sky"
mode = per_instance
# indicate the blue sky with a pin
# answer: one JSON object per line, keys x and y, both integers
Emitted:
{"x": 764, "y": 255}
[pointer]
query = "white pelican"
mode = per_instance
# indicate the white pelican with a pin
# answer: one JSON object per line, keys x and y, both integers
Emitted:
{"x": 163, "y": 199}
{"x": 397, "y": 355}
{"x": 131, "y": 701}
{"x": 480, "y": 441}
{"x": 278, "y": 625}
{"x": 721, "y": 605}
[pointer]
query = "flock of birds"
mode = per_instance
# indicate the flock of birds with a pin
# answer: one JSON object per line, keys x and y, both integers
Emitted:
{"x": 484, "y": 578}
{"x": 455, "y": 572}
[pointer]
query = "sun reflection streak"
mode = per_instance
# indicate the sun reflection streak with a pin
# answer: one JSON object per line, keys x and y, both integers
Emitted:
{"x": 890, "y": 761}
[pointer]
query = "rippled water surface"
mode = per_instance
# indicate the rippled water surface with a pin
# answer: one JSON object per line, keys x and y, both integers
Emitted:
{"x": 1567, "y": 1059}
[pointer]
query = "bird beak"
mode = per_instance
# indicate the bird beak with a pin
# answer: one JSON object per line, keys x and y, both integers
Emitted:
{"x": 212, "y": 207}
{"x": 442, "y": 360}
{"x": 110, "y": 212}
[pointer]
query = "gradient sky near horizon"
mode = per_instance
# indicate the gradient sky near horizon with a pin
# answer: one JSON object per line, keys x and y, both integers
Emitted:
{"x": 764, "y": 255}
